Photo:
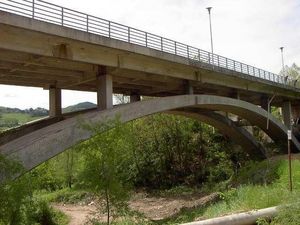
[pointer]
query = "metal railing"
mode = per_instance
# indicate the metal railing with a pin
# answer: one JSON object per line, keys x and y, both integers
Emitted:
{"x": 48, "y": 12}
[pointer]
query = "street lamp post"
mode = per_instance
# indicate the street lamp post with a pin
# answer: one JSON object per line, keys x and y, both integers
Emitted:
{"x": 282, "y": 61}
{"x": 211, "y": 38}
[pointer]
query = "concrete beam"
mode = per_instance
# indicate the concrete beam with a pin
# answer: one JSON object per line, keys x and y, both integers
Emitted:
{"x": 55, "y": 102}
{"x": 287, "y": 114}
{"x": 104, "y": 91}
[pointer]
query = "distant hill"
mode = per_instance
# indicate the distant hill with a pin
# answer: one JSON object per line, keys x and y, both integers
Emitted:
{"x": 79, "y": 106}
{"x": 12, "y": 117}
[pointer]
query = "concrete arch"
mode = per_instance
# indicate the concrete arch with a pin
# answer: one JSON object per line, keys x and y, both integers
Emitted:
{"x": 227, "y": 128}
{"x": 40, "y": 145}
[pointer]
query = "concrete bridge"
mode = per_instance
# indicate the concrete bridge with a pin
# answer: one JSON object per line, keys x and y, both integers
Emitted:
{"x": 48, "y": 46}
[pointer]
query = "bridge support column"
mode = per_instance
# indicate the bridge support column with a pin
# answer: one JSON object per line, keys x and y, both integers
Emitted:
{"x": 55, "y": 102}
{"x": 287, "y": 114}
{"x": 104, "y": 91}
{"x": 264, "y": 103}
{"x": 135, "y": 98}
{"x": 189, "y": 90}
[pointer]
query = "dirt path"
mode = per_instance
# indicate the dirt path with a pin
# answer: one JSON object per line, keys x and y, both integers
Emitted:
{"x": 154, "y": 208}
{"x": 77, "y": 214}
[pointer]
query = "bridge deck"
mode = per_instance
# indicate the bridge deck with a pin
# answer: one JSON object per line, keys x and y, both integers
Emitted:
{"x": 45, "y": 54}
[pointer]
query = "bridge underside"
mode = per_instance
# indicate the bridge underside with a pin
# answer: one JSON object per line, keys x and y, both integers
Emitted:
{"x": 56, "y": 57}
{"x": 40, "y": 145}
{"x": 48, "y": 55}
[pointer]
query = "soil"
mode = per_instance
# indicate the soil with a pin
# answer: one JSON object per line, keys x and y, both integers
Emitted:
{"x": 154, "y": 208}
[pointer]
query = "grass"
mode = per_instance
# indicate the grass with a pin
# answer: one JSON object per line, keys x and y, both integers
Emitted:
{"x": 249, "y": 196}
{"x": 66, "y": 195}
{"x": 259, "y": 185}
{"x": 21, "y": 117}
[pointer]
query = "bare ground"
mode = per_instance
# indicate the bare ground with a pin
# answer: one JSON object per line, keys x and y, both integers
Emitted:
{"x": 154, "y": 208}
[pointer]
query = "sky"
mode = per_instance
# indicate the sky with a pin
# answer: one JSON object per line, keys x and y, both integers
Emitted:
{"x": 250, "y": 31}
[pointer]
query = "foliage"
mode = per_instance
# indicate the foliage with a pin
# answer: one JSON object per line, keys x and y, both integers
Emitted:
{"x": 256, "y": 196}
{"x": 39, "y": 212}
{"x": 172, "y": 150}
{"x": 65, "y": 195}
{"x": 17, "y": 204}
{"x": 292, "y": 71}
{"x": 289, "y": 214}
{"x": 105, "y": 155}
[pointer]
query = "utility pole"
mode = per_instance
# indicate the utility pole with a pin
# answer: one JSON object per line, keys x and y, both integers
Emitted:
{"x": 290, "y": 160}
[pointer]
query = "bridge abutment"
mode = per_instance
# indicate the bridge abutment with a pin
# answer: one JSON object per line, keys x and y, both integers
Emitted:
{"x": 55, "y": 102}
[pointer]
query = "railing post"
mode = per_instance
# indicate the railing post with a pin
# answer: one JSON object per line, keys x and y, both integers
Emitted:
{"x": 161, "y": 44}
{"x": 226, "y": 62}
{"x": 175, "y": 48}
{"x": 241, "y": 67}
{"x": 199, "y": 54}
{"x": 87, "y": 23}
{"x": 248, "y": 70}
{"x": 62, "y": 16}
{"x": 146, "y": 39}
{"x": 188, "y": 51}
{"x": 218, "y": 60}
{"x": 109, "y": 29}
{"x": 33, "y": 6}
{"x": 128, "y": 34}
{"x": 233, "y": 65}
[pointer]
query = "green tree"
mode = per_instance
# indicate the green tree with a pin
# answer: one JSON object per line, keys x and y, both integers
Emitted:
{"x": 106, "y": 158}
{"x": 292, "y": 71}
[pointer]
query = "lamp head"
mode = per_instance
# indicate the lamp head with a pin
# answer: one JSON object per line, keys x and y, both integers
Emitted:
{"x": 209, "y": 8}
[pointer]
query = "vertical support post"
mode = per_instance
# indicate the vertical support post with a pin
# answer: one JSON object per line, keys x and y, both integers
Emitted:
{"x": 287, "y": 114}
{"x": 109, "y": 29}
{"x": 146, "y": 39}
{"x": 189, "y": 90}
{"x": 55, "y": 102}
{"x": 87, "y": 23}
{"x": 128, "y": 34}
{"x": 134, "y": 97}
{"x": 62, "y": 16}
{"x": 264, "y": 103}
{"x": 104, "y": 90}
{"x": 33, "y": 6}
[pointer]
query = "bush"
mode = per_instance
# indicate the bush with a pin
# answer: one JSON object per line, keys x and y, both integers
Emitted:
{"x": 39, "y": 212}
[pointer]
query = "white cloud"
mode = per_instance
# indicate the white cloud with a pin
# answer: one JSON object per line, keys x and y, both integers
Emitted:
{"x": 247, "y": 31}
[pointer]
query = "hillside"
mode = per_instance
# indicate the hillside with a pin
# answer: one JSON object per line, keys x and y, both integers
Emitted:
{"x": 12, "y": 117}
{"x": 79, "y": 106}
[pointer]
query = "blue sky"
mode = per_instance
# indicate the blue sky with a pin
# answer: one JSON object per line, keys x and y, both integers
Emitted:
{"x": 250, "y": 31}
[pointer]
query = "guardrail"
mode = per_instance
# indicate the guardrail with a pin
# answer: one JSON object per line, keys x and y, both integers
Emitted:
{"x": 48, "y": 12}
